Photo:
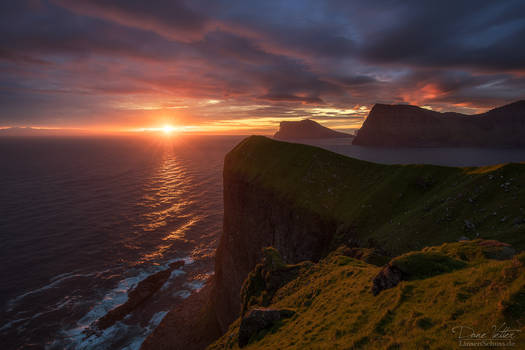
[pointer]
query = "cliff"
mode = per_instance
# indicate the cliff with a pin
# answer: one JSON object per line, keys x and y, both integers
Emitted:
{"x": 306, "y": 202}
{"x": 411, "y": 126}
{"x": 306, "y": 129}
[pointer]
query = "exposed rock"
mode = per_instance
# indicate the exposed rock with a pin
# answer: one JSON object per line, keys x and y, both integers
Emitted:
{"x": 189, "y": 326}
{"x": 388, "y": 277}
{"x": 411, "y": 126}
{"x": 306, "y": 129}
{"x": 142, "y": 292}
{"x": 267, "y": 277}
{"x": 368, "y": 255}
{"x": 497, "y": 250}
{"x": 469, "y": 225}
{"x": 257, "y": 320}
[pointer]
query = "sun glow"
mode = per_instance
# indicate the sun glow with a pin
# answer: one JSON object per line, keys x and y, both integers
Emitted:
{"x": 168, "y": 129}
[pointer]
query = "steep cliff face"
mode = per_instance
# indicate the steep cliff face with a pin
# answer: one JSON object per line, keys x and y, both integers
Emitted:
{"x": 411, "y": 126}
{"x": 306, "y": 129}
{"x": 254, "y": 218}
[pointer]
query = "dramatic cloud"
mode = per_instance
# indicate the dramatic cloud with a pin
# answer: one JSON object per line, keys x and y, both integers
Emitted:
{"x": 139, "y": 63}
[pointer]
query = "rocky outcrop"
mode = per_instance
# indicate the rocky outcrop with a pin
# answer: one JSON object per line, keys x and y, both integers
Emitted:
{"x": 142, "y": 292}
{"x": 306, "y": 129}
{"x": 411, "y": 126}
{"x": 258, "y": 320}
{"x": 387, "y": 278}
{"x": 190, "y": 325}
{"x": 266, "y": 278}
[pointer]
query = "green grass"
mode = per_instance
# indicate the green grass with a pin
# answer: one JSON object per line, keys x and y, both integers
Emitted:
{"x": 415, "y": 213}
{"x": 397, "y": 207}
{"x": 335, "y": 308}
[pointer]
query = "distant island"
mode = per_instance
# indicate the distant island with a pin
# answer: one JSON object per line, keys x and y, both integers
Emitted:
{"x": 306, "y": 129}
{"x": 29, "y": 131}
{"x": 412, "y": 126}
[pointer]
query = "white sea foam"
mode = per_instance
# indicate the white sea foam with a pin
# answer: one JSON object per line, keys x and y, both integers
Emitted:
{"x": 195, "y": 285}
{"x": 182, "y": 293}
{"x": 55, "y": 282}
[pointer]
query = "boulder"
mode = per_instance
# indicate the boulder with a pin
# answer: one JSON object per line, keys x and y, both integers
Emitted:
{"x": 388, "y": 277}
{"x": 142, "y": 292}
{"x": 257, "y": 320}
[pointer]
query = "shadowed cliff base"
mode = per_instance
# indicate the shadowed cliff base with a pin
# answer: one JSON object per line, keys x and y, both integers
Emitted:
{"x": 411, "y": 126}
{"x": 306, "y": 202}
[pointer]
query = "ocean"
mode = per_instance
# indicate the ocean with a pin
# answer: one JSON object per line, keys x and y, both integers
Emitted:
{"x": 83, "y": 220}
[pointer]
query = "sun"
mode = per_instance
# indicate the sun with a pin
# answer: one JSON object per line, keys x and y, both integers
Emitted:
{"x": 168, "y": 129}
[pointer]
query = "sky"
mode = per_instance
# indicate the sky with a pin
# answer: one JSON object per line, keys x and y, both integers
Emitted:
{"x": 238, "y": 66}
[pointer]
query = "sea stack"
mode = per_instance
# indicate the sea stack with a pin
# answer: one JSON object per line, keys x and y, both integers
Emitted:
{"x": 306, "y": 129}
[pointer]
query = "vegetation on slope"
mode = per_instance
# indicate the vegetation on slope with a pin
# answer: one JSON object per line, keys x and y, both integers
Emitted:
{"x": 334, "y": 307}
{"x": 398, "y": 208}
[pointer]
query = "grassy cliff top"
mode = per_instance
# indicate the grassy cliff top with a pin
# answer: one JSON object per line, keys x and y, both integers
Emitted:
{"x": 334, "y": 307}
{"x": 398, "y": 207}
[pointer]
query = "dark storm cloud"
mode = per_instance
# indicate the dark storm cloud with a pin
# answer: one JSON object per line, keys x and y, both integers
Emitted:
{"x": 280, "y": 53}
{"x": 172, "y": 18}
{"x": 482, "y": 34}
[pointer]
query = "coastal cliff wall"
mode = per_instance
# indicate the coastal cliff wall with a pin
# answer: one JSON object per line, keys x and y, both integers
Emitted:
{"x": 255, "y": 218}
{"x": 306, "y": 201}
{"x": 411, "y": 126}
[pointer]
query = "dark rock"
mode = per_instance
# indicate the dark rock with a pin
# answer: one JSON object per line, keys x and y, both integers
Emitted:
{"x": 306, "y": 129}
{"x": 142, "y": 292}
{"x": 469, "y": 225}
{"x": 259, "y": 319}
{"x": 497, "y": 250}
{"x": 412, "y": 126}
{"x": 266, "y": 278}
{"x": 388, "y": 277}
{"x": 368, "y": 255}
{"x": 188, "y": 326}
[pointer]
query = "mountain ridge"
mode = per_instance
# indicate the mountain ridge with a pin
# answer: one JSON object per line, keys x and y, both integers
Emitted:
{"x": 413, "y": 126}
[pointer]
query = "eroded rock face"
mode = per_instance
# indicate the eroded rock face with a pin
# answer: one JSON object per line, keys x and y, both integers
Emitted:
{"x": 388, "y": 277}
{"x": 411, "y": 126}
{"x": 257, "y": 320}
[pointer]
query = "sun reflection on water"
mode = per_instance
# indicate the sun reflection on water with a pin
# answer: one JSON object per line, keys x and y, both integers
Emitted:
{"x": 167, "y": 200}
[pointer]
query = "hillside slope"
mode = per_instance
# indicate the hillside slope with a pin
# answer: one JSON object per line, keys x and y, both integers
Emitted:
{"x": 332, "y": 305}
